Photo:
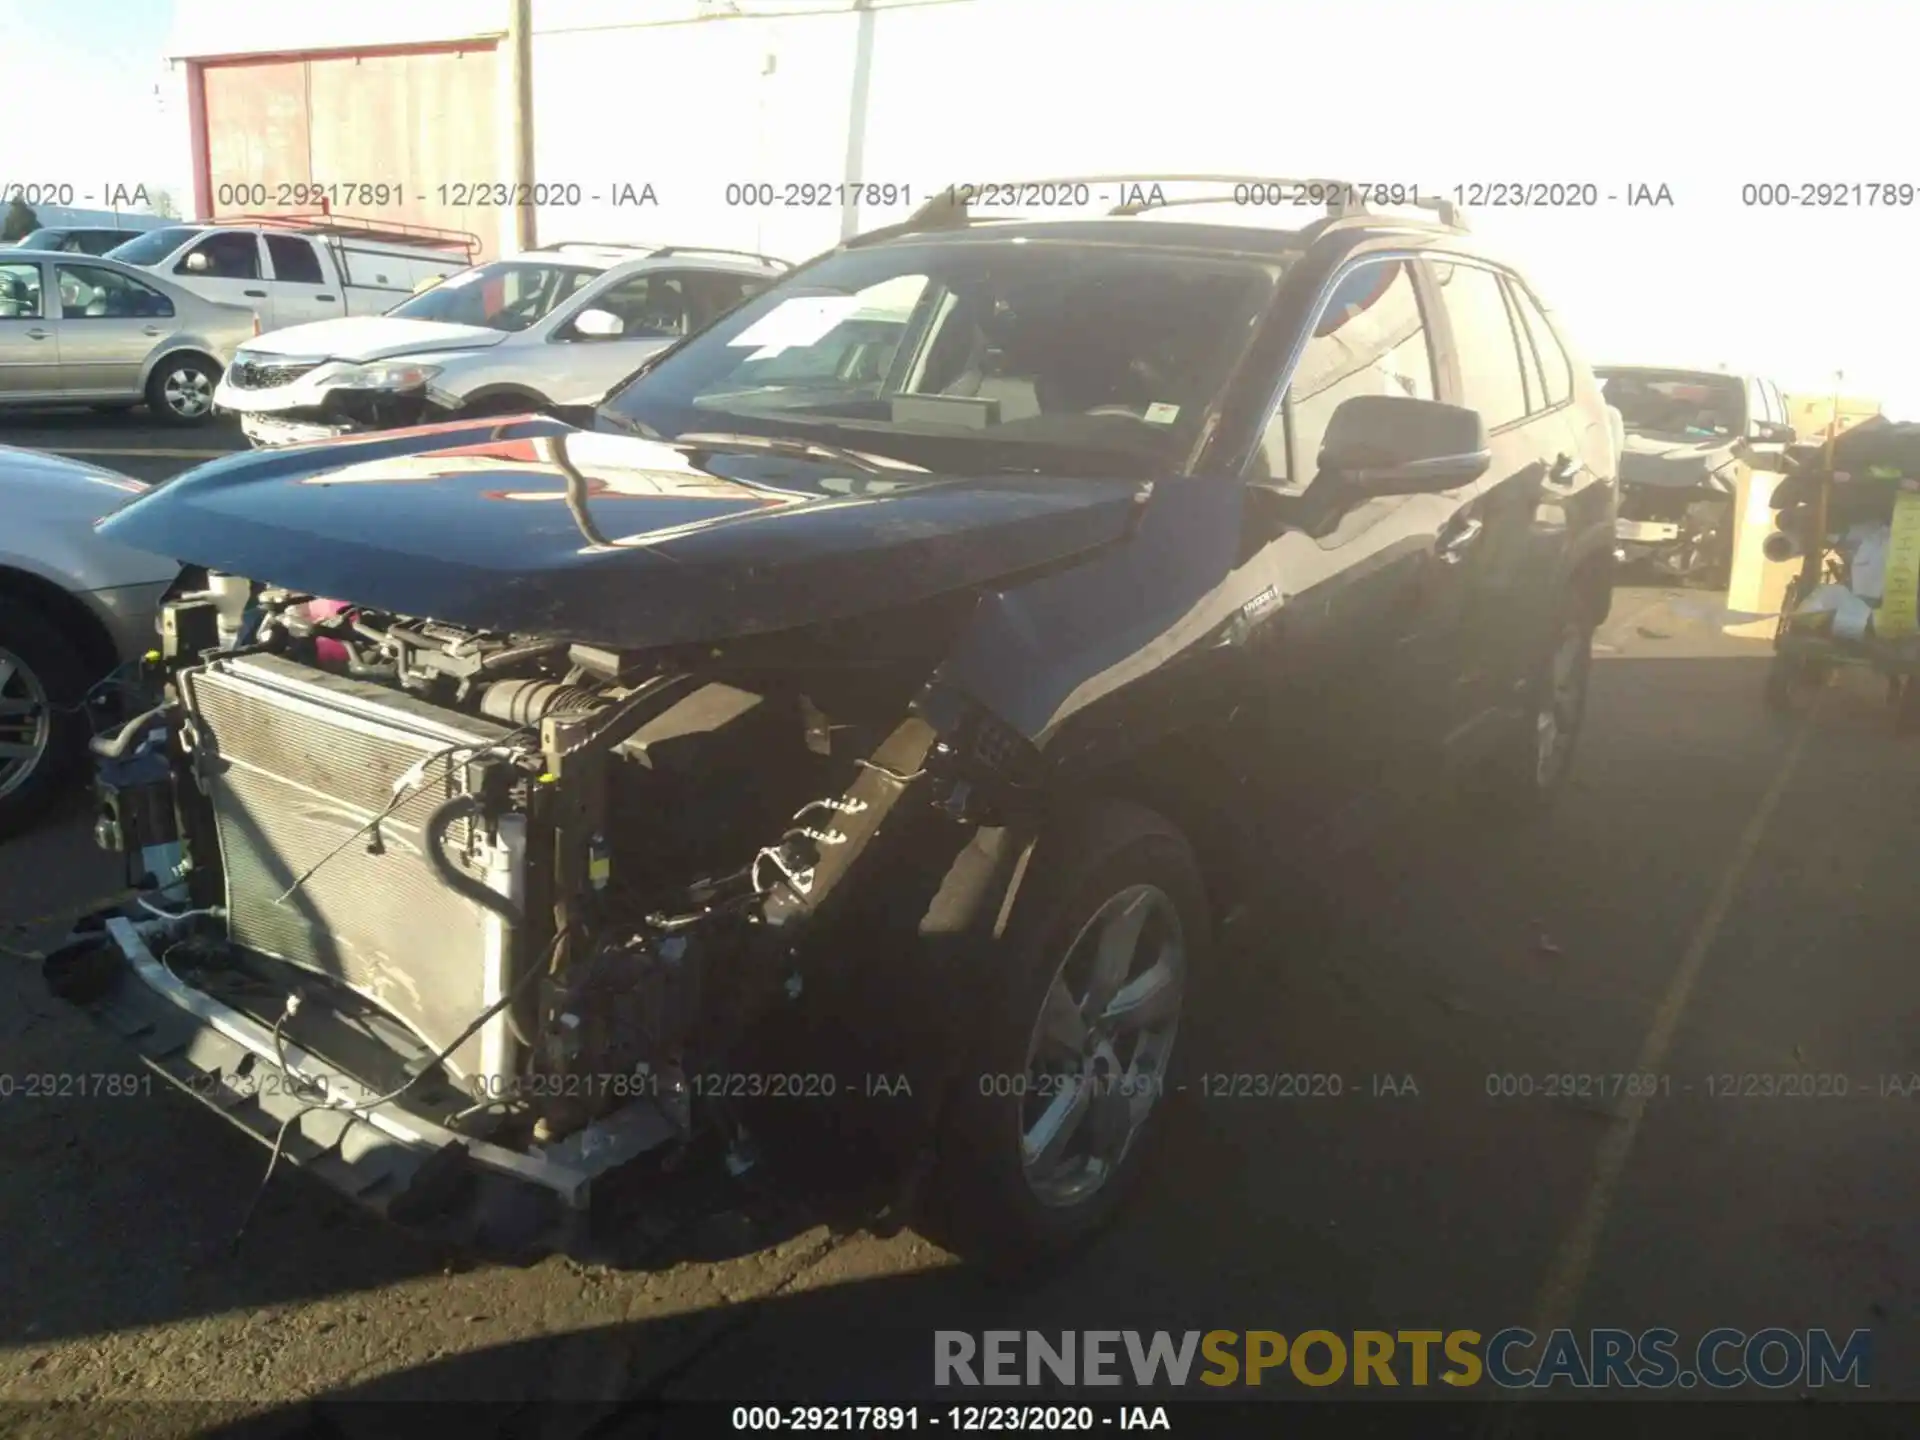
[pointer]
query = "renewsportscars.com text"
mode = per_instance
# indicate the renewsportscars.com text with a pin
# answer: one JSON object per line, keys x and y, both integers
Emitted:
{"x": 1511, "y": 1359}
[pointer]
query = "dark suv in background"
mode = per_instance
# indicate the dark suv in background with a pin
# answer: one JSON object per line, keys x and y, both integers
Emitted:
{"x": 1690, "y": 437}
{"x": 936, "y": 645}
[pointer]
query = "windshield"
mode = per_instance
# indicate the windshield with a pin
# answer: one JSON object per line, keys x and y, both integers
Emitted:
{"x": 1677, "y": 402}
{"x": 1027, "y": 355}
{"x": 154, "y": 246}
{"x": 506, "y": 295}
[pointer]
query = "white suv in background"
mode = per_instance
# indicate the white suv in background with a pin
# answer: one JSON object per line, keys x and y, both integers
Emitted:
{"x": 557, "y": 326}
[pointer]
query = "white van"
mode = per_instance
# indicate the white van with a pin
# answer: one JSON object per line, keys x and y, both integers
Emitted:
{"x": 296, "y": 269}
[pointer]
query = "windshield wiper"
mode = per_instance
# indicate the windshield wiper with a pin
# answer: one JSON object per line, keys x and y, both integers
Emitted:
{"x": 626, "y": 424}
{"x": 778, "y": 445}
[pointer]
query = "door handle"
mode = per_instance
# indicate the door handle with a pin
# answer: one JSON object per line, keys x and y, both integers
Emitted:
{"x": 1565, "y": 471}
{"x": 327, "y": 298}
{"x": 36, "y": 334}
{"x": 1455, "y": 543}
{"x": 254, "y": 294}
{"x": 151, "y": 330}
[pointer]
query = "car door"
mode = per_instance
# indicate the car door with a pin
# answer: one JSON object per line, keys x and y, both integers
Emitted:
{"x": 654, "y": 308}
{"x": 301, "y": 289}
{"x": 1346, "y": 694}
{"x": 1518, "y": 517}
{"x": 228, "y": 266}
{"x": 29, "y": 335}
{"x": 109, "y": 324}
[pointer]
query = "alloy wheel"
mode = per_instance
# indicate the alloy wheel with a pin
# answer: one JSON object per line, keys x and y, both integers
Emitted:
{"x": 1097, "y": 1058}
{"x": 187, "y": 392}
{"x": 26, "y": 722}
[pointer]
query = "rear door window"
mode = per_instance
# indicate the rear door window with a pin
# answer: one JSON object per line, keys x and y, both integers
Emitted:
{"x": 20, "y": 292}
{"x": 293, "y": 259}
{"x": 1556, "y": 370}
{"x": 718, "y": 291}
{"x": 655, "y": 305}
{"x": 1529, "y": 360}
{"x": 1486, "y": 347}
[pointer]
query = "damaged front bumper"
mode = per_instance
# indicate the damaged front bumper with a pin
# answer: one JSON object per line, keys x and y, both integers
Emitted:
{"x": 304, "y": 410}
{"x": 1644, "y": 540}
{"x": 1684, "y": 533}
{"x": 381, "y": 1155}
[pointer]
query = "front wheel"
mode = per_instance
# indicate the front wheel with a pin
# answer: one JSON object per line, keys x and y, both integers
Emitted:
{"x": 498, "y": 406}
{"x": 1048, "y": 1129}
{"x": 42, "y": 729}
{"x": 1527, "y": 773}
{"x": 180, "y": 390}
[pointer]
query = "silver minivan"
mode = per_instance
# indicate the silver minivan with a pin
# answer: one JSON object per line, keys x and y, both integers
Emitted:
{"x": 86, "y": 330}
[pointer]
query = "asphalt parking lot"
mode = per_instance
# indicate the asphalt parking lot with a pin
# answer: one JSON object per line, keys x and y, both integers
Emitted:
{"x": 1725, "y": 894}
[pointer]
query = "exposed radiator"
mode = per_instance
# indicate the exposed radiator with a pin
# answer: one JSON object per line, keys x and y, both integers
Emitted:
{"x": 298, "y": 759}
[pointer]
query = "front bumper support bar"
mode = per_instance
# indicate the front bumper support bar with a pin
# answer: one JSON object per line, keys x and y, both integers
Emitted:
{"x": 382, "y": 1156}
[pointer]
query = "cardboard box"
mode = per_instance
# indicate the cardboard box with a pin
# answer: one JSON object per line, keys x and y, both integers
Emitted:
{"x": 1809, "y": 414}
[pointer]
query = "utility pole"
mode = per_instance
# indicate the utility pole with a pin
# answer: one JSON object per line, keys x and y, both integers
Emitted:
{"x": 857, "y": 121}
{"x": 520, "y": 74}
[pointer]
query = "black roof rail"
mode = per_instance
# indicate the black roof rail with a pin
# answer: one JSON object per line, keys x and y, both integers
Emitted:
{"x": 948, "y": 210}
{"x": 651, "y": 251}
{"x": 640, "y": 245}
{"x": 1343, "y": 200}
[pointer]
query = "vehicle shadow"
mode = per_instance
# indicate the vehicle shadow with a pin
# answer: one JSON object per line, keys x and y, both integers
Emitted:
{"x": 50, "y": 427}
{"x": 1442, "y": 950}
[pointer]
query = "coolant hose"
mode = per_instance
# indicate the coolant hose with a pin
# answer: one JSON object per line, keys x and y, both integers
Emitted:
{"x": 434, "y": 835}
{"x": 123, "y": 739}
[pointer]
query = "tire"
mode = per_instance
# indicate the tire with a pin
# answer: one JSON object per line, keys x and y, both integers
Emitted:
{"x": 1523, "y": 778}
{"x": 37, "y": 668}
{"x": 1113, "y": 864}
{"x": 180, "y": 390}
{"x": 504, "y": 405}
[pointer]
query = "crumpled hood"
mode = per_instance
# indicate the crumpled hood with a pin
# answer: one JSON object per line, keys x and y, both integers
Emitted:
{"x": 532, "y": 526}
{"x": 370, "y": 337}
{"x": 1674, "y": 462}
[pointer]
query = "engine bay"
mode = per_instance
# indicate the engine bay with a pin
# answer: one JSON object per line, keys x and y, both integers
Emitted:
{"x": 517, "y": 886}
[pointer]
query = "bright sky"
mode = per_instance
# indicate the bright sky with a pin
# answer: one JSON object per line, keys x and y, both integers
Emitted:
{"x": 1704, "y": 96}
{"x": 78, "y": 103}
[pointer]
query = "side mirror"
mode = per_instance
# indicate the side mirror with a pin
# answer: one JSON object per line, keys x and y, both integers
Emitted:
{"x": 598, "y": 325}
{"x": 1766, "y": 432}
{"x": 1397, "y": 445}
{"x": 198, "y": 264}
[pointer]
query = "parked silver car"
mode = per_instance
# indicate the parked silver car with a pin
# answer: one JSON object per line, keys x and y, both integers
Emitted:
{"x": 76, "y": 613}
{"x": 554, "y": 327}
{"x": 86, "y": 330}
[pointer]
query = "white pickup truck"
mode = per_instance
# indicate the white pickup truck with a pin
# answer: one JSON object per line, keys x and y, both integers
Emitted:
{"x": 294, "y": 270}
